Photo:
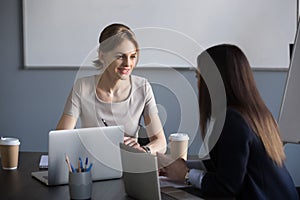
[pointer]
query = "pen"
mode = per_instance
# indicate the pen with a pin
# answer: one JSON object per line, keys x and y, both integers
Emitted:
{"x": 90, "y": 167}
{"x": 81, "y": 165}
{"x": 104, "y": 122}
{"x": 79, "y": 168}
{"x": 86, "y": 162}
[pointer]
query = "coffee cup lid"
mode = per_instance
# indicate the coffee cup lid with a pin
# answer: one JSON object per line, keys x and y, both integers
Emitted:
{"x": 179, "y": 137}
{"x": 9, "y": 141}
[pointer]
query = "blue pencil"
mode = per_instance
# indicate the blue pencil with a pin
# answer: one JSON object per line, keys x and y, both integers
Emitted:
{"x": 73, "y": 168}
{"x": 90, "y": 167}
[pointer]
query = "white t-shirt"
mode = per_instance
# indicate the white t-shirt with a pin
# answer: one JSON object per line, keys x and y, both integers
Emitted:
{"x": 84, "y": 103}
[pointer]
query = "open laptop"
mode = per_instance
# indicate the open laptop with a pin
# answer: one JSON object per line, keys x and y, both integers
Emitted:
{"x": 140, "y": 176}
{"x": 99, "y": 144}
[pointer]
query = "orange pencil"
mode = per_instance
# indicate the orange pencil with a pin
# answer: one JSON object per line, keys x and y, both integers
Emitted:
{"x": 68, "y": 163}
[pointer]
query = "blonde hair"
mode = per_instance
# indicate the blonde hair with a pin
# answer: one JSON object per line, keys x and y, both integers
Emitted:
{"x": 111, "y": 37}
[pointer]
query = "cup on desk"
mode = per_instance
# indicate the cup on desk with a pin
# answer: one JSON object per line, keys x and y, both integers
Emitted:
{"x": 9, "y": 149}
{"x": 80, "y": 185}
{"x": 179, "y": 145}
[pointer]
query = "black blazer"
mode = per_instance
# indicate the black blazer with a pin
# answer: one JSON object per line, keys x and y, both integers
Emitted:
{"x": 240, "y": 167}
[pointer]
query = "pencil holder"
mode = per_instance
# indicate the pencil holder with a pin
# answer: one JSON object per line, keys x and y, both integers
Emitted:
{"x": 80, "y": 185}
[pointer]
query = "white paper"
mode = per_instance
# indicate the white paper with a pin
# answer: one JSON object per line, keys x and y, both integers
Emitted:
{"x": 44, "y": 162}
{"x": 167, "y": 182}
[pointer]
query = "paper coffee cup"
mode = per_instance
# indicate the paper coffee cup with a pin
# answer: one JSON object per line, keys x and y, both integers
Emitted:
{"x": 179, "y": 145}
{"x": 9, "y": 149}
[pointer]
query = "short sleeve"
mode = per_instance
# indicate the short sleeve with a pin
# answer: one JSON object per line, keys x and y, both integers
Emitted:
{"x": 150, "y": 103}
{"x": 73, "y": 105}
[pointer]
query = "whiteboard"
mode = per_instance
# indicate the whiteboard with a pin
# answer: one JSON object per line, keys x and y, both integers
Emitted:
{"x": 64, "y": 33}
{"x": 289, "y": 117}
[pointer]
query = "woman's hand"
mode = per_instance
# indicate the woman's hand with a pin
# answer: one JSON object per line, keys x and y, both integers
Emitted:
{"x": 132, "y": 142}
{"x": 174, "y": 169}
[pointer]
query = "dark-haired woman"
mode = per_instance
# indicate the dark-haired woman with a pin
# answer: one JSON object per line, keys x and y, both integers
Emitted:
{"x": 247, "y": 161}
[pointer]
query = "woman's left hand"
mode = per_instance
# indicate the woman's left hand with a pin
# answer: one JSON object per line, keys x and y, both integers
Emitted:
{"x": 132, "y": 142}
{"x": 174, "y": 169}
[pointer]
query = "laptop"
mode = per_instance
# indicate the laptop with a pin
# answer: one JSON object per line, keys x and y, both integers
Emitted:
{"x": 141, "y": 180}
{"x": 100, "y": 145}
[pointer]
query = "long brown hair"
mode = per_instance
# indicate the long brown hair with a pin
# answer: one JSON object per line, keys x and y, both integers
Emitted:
{"x": 242, "y": 94}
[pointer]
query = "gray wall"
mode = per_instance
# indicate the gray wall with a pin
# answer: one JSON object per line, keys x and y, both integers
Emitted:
{"x": 32, "y": 99}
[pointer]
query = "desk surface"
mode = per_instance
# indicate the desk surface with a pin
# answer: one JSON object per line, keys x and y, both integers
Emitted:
{"x": 19, "y": 184}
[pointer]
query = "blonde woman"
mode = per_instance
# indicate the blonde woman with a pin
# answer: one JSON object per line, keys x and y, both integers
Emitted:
{"x": 115, "y": 97}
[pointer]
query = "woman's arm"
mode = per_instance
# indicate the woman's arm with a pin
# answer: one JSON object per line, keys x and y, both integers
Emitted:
{"x": 180, "y": 170}
{"x": 155, "y": 133}
{"x": 66, "y": 122}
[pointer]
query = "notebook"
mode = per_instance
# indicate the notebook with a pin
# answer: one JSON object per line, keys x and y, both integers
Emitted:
{"x": 99, "y": 144}
{"x": 140, "y": 176}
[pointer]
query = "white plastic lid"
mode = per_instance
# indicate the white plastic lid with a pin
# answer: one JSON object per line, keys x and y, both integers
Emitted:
{"x": 178, "y": 137}
{"x": 9, "y": 141}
